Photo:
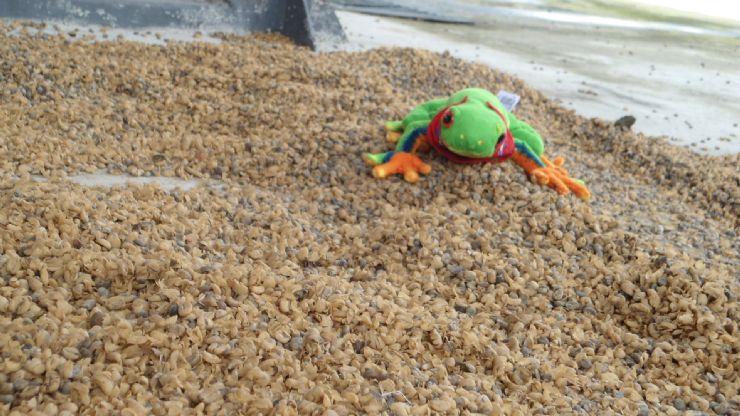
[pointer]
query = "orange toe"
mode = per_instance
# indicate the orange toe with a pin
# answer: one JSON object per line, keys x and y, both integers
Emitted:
{"x": 411, "y": 176}
{"x": 540, "y": 177}
{"x": 557, "y": 184}
{"x": 380, "y": 172}
{"x": 420, "y": 166}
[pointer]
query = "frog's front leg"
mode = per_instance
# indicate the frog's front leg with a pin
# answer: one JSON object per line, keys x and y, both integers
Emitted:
{"x": 546, "y": 172}
{"x": 529, "y": 155}
{"x": 407, "y": 164}
{"x": 403, "y": 159}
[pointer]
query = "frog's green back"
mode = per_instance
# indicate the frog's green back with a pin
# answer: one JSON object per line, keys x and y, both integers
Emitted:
{"x": 480, "y": 95}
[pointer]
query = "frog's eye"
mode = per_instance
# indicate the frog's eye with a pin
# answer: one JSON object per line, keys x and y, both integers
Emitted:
{"x": 447, "y": 119}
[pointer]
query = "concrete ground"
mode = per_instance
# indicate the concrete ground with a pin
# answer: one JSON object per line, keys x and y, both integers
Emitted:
{"x": 677, "y": 84}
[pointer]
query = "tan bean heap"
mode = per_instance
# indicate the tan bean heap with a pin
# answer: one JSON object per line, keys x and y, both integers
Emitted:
{"x": 293, "y": 282}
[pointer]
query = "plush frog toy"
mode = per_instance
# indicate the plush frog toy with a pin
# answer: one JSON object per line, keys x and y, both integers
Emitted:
{"x": 471, "y": 126}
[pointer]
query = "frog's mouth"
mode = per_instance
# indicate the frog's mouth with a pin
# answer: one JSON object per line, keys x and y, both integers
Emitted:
{"x": 504, "y": 146}
{"x": 461, "y": 152}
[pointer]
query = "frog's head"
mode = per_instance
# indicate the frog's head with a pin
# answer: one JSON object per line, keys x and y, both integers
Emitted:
{"x": 471, "y": 130}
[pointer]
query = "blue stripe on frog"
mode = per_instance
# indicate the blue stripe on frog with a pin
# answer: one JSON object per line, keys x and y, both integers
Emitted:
{"x": 526, "y": 151}
{"x": 408, "y": 145}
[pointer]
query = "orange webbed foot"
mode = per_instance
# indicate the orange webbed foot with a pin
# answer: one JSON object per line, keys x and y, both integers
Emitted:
{"x": 557, "y": 178}
{"x": 404, "y": 163}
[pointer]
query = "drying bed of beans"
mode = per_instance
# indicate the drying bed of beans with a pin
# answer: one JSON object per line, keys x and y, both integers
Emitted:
{"x": 290, "y": 281}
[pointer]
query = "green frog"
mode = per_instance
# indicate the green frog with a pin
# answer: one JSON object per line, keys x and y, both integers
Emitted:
{"x": 471, "y": 126}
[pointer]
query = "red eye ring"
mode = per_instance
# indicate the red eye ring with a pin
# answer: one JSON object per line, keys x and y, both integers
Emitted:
{"x": 447, "y": 119}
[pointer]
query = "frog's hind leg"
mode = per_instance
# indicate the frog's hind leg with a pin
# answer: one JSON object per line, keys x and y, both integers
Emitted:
{"x": 410, "y": 143}
{"x": 393, "y": 131}
{"x": 394, "y": 125}
{"x": 397, "y": 130}
{"x": 420, "y": 145}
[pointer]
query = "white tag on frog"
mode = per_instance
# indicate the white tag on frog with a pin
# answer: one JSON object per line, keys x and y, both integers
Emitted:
{"x": 508, "y": 99}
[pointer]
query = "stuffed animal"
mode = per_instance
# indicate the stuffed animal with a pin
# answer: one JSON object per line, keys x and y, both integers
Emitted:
{"x": 470, "y": 126}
